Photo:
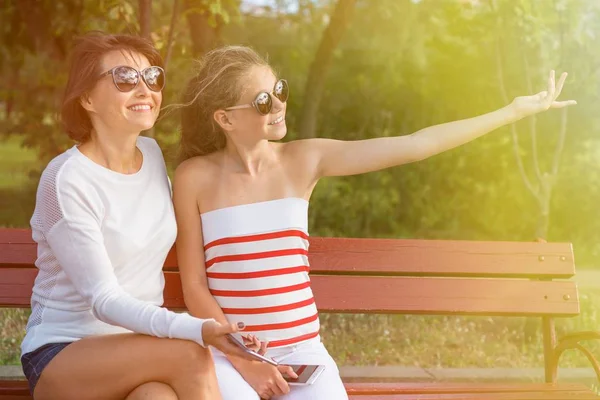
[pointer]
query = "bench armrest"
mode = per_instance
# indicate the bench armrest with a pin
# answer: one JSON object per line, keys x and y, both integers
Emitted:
{"x": 571, "y": 341}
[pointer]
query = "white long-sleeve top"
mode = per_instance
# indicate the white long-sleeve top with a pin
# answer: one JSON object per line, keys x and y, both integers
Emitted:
{"x": 102, "y": 240}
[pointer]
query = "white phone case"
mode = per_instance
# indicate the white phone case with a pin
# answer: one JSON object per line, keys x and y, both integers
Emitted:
{"x": 312, "y": 378}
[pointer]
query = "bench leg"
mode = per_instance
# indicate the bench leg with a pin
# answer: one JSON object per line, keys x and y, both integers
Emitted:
{"x": 549, "y": 332}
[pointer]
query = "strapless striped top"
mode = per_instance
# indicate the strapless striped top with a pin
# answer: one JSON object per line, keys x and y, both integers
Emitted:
{"x": 257, "y": 268}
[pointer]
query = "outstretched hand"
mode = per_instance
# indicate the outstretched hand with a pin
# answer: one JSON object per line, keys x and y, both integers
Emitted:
{"x": 529, "y": 105}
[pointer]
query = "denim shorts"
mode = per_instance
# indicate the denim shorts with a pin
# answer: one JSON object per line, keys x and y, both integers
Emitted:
{"x": 34, "y": 362}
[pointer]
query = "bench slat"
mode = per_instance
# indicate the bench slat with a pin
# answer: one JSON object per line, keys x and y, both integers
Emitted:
{"x": 394, "y": 294}
{"x": 16, "y": 285}
{"x": 362, "y": 388}
{"x": 17, "y": 390}
{"x": 488, "y": 396}
{"x": 385, "y": 257}
{"x": 441, "y": 257}
{"x": 445, "y": 295}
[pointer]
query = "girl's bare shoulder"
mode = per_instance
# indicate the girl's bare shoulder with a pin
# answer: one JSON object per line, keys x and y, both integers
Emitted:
{"x": 197, "y": 171}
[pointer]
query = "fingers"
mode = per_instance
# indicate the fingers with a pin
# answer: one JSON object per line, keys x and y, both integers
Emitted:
{"x": 253, "y": 343}
{"x": 541, "y": 96}
{"x": 277, "y": 387}
{"x": 263, "y": 348}
{"x": 554, "y": 90}
{"x": 550, "y": 84}
{"x": 551, "y": 89}
{"x": 563, "y": 104}
{"x": 266, "y": 394}
{"x": 282, "y": 386}
{"x": 561, "y": 83}
{"x": 287, "y": 370}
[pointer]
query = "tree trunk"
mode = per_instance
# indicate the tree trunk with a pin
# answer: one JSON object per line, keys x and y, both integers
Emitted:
{"x": 145, "y": 10}
{"x": 204, "y": 36}
{"x": 171, "y": 39}
{"x": 340, "y": 19}
{"x": 39, "y": 30}
{"x": 145, "y": 15}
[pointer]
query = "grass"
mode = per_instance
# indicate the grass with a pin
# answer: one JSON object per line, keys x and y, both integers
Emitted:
{"x": 12, "y": 331}
{"x": 15, "y": 161}
{"x": 452, "y": 341}
{"x": 431, "y": 341}
{"x": 17, "y": 191}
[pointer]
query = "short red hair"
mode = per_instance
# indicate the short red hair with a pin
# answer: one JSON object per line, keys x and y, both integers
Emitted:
{"x": 85, "y": 69}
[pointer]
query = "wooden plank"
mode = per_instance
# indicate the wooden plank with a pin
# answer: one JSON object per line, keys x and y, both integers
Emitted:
{"x": 487, "y": 396}
{"x": 17, "y": 247}
{"x": 14, "y": 390}
{"x": 444, "y": 296}
{"x": 16, "y": 285}
{"x": 441, "y": 257}
{"x": 433, "y": 296}
{"x": 363, "y": 388}
{"x": 424, "y": 391}
{"x": 15, "y": 235}
{"x": 429, "y": 296}
{"x": 386, "y": 257}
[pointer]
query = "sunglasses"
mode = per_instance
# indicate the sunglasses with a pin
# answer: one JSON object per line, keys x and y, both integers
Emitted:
{"x": 127, "y": 78}
{"x": 263, "y": 102}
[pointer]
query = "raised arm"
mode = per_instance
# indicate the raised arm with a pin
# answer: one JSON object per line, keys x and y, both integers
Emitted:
{"x": 337, "y": 158}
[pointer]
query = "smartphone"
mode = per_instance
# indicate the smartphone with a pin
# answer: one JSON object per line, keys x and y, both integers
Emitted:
{"x": 239, "y": 342}
{"x": 307, "y": 374}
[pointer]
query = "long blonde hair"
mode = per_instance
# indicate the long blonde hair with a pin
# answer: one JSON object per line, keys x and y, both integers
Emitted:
{"x": 217, "y": 85}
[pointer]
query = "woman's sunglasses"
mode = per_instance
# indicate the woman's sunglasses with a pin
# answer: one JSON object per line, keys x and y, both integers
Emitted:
{"x": 263, "y": 102}
{"x": 127, "y": 78}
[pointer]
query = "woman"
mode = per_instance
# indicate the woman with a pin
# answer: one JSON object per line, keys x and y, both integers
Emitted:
{"x": 104, "y": 223}
{"x": 241, "y": 204}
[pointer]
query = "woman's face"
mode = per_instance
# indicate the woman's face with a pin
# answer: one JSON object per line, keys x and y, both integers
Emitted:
{"x": 249, "y": 122}
{"x": 123, "y": 112}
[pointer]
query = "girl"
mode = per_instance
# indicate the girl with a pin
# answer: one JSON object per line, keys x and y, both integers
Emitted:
{"x": 241, "y": 204}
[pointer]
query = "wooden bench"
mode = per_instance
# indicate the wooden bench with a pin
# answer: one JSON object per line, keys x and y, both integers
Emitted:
{"x": 427, "y": 277}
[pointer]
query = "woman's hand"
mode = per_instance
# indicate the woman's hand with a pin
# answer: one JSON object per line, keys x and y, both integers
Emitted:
{"x": 254, "y": 344}
{"x": 216, "y": 335}
{"x": 528, "y": 105}
{"x": 266, "y": 379}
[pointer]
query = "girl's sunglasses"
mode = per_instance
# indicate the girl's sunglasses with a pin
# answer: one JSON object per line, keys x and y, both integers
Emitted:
{"x": 263, "y": 102}
{"x": 127, "y": 78}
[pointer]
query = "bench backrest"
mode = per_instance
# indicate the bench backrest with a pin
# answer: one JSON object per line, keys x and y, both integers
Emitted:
{"x": 384, "y": 276}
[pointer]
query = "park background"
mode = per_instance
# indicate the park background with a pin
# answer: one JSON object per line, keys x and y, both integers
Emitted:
{"x": 360, "y": 69}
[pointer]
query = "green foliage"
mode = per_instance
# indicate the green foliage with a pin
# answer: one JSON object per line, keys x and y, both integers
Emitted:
{"x": 403, "y": 65}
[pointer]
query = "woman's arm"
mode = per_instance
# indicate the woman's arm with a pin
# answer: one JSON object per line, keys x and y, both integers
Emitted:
{"x": 72, "y": 227}
{"x": 72, "y": 214}
{"x": 337, "y": 158}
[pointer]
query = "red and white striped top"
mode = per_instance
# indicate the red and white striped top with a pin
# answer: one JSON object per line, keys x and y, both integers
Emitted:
{"x": 257, "y": 268}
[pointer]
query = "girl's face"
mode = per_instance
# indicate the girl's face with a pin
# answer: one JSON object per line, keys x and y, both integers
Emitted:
{"x": 247, "y": 123}
{"x": 117, "y": 111}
